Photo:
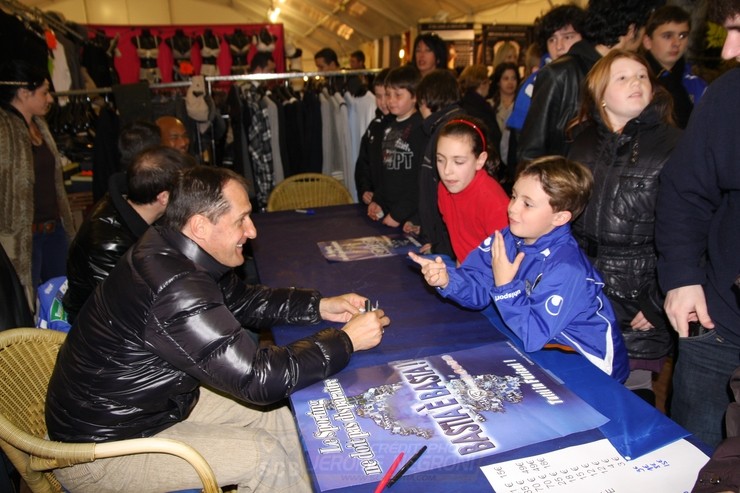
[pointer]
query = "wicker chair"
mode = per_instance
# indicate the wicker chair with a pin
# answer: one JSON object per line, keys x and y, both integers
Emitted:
{"x": 27, "y": 358}
{"x": 307, "y": 190}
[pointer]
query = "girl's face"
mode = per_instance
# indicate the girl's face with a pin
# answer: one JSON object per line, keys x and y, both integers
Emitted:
{"x": 507, "y": 84}
{"x": 627, "y": 92}
{"x": 456, "y": 162}
{"x": 426, "y": 61}
{"x": 381, "y": 99}
{"x": 400, "y": 102}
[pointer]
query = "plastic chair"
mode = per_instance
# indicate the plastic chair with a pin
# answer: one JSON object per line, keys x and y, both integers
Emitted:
{"x": 307, "y": 190}
{"x": 27, "y": 358}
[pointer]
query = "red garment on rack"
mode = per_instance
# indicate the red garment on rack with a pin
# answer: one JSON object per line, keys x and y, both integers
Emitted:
{"x": 127, "y": 64}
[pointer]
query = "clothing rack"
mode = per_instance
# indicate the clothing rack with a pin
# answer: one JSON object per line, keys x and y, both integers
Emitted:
{"x": 228, "y": 78}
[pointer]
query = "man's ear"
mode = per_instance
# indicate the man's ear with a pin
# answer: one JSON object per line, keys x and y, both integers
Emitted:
{"x": 647, "y": 42}
{"x": 163, "y": 198}
{"x": 198, "y": 227}
{"x": 562, "y": 217}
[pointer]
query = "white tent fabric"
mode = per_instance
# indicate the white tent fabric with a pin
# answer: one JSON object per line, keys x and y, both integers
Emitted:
{"x": 345, "y": 25}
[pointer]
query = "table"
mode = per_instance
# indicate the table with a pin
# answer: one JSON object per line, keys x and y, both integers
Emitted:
{"x": 422, "y": 324}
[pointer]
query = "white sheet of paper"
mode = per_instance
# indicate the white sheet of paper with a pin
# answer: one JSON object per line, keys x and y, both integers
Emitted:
{"x": 597, "y": 467}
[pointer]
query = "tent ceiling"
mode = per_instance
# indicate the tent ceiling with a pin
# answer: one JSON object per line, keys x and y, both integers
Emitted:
{"x": 311, "y": 24}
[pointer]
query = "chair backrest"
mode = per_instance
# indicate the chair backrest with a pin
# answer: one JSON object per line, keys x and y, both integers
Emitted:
{"x": 307, "y": 190}
{"x": 27, "y": 358}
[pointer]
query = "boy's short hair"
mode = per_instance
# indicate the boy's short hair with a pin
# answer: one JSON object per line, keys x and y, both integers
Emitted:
{"x": 359, "y": 55}
{"x": 567, "y": 183}
{"x": 664, "y": 15}
{"x": 556, "y": 19}
{"x": 379, "y": 79}
{"x": 438, "y": 89}
{"x": 405, "y": 77}
{"x": 607, "y": 20}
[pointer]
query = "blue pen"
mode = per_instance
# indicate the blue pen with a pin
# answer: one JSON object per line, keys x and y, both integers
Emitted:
{"x": 309, "y": 212}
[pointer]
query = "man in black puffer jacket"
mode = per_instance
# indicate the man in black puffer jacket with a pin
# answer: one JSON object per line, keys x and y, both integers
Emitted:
{"x": 135, "y": 200}
{"x": 169, "y": 319}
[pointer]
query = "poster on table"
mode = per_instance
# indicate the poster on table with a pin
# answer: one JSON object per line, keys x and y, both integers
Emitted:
{"x": 462, "y": 405}
{"x": 368, "y": 247}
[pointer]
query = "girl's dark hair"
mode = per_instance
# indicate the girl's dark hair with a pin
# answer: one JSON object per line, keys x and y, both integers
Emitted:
{"x": 19, "y": 74}
{"x": 434, "y": 43}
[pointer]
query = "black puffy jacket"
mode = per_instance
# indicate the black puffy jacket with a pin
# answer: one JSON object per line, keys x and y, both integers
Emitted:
{"x": 169, "y": 318}
{"x": 110, "y": 229}
{"x": 555, "y": 102}
{"x": 617, "y": 228}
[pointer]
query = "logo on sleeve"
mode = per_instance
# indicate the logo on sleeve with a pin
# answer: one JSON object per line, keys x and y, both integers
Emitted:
{"x": 554, "y": 304}
{"x": 486, "y": 245}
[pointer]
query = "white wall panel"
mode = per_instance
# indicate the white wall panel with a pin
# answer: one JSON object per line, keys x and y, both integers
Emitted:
{"x": 184, "y": 12}
{"x": 143, "y": 12}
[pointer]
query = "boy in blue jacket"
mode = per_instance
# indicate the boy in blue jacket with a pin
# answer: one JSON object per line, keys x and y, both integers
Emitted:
{"x": 542, "y": 284}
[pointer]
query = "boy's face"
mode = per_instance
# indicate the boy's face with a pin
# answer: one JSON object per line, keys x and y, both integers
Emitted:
{"x": 400, "y": 102}
{"x": 561, "y": 40}
{"x": 381, "y": 99}
{"x": 668, "y": 43}
{"x": 530, "y": 213}
{"x": 456, "y": 163}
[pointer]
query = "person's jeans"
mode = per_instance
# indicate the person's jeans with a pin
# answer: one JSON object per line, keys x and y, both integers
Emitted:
{"x": 701, "y": 390}
{"x": 49, "y": 257}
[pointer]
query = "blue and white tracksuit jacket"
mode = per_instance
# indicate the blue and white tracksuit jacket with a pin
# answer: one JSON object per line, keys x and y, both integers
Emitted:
{"x": 556, "y": 297}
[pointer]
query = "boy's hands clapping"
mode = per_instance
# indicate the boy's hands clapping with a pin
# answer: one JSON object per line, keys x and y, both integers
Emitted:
{"x": 435, "y": 271}
{"x": 503, "y": 270}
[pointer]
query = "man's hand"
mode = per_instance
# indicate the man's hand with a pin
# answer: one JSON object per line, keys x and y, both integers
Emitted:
{"x": 435, "y": 271}
{"x": 341, "y": 308}
{"x": 503, "y": 270}
{"x": 687, "y": 304}
{"x": 366, "y": 329}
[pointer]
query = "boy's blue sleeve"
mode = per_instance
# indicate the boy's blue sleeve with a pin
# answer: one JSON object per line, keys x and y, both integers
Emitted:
{"x": 470, "y": 284}
{"x": 559, "y": 295}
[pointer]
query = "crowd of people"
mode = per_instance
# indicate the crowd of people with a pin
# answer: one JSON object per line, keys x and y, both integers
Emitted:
{"x": 594, "y": 204}
{"x": 613, "y": 209}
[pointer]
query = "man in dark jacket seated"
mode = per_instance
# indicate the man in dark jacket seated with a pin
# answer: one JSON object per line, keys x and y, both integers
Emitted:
{"x": 169, "y": 319}
{"x": 135, "y": 200}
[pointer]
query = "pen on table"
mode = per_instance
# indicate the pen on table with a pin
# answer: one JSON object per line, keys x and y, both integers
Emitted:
{"x": 406, "y": 466}
{"x": 310, "y": 212}
{"x": 387, "y": 477}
